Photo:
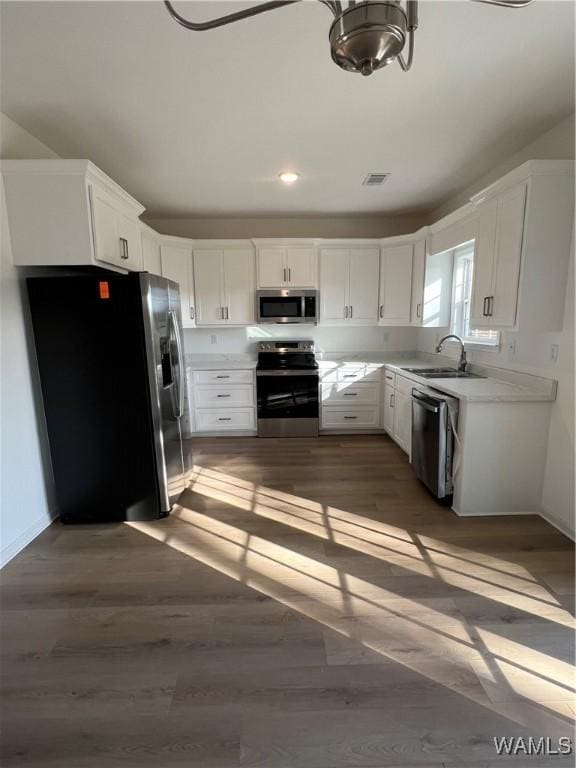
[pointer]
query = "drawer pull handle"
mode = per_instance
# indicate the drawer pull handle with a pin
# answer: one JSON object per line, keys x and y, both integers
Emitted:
{"x": 349, "y": 375}
{"x": 227, "y": 418}
{"x": 222, "y": 377}
{"x": 223, "y": 395}
{"x": 350, "y": 394}
{"x": 350, "y": 417}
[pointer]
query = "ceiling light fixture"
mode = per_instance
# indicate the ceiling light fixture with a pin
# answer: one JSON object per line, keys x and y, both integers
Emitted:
{"x": 364, "y": 36}
{"x": 288, "y": 177}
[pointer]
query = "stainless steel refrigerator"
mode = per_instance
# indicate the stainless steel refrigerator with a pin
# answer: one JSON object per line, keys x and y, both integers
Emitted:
{"x": 112, "y": 373}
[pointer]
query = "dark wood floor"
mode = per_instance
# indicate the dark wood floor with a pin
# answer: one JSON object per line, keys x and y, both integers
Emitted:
{"x": 307, "y": 606}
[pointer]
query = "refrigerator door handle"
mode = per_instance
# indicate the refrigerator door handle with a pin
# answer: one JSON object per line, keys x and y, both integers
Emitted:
{"x": 182, "y": 375}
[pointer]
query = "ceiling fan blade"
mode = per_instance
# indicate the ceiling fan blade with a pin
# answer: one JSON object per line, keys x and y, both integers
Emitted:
{"x": 506, "y": 3}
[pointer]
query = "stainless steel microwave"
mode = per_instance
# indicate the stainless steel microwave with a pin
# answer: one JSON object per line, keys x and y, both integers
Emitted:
{"x": 283, "y": 305}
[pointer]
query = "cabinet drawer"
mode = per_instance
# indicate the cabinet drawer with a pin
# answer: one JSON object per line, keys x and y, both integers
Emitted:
{"x": 389, "y": 378}
{"x": 362, "y": 417}
{"x": 224, "y": 396}
{"x": 353, "y": 374}
{"x": 342, "y": 393}
{"x": 214, "y": 419}
{"x": 404, "y": 385}
{"x": 224, "y": 377}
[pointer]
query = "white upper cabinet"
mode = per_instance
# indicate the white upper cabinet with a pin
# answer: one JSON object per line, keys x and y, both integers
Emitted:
{"x": 522, "y": 252}
{"x": 69, "y": 213}
{"x": 224, "y": 282}
{"x": 497, "y": 260}
{"x": 176, "y": 257}
{"x": 418, "y": 275}
{"x": 287, "y": 266}
{"x": 334, "y": 264}
{"x": 151, "y": 259}
{"x": 395, "y": 285}
{"x": 349, "y": 285}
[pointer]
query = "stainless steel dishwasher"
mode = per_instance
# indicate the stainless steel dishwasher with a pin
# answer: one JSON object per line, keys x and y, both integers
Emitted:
{"x": 434, "y": 418}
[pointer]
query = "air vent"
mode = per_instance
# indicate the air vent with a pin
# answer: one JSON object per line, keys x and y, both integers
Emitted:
{"x": 375, "y": 179}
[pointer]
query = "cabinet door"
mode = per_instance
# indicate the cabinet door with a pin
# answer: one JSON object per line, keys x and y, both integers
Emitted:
{"x": 130, "y": 240}
{"x": 209, "y": 287}
{"x": 105, "y": 223}
{"x": 177, "y": 266}
{"x": 364, "y": 274}
{"x": 395, "y": 285}
{"x": 238, "y": 266}
{"x": 403, "y": 420}
{"x": 509, "y": 231}
{"x": 418, "y": 272}
{"x": 334, "y": 263}
{"x": 151, "y": 261}
{"x": 484, "y": 250}
{"x": 272, "y": 267}
{"x": 389, "y": 410}
{"x": 301, "y": 264}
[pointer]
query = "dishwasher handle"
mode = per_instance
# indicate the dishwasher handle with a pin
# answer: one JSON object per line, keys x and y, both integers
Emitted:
{"x": 426, "y": 402}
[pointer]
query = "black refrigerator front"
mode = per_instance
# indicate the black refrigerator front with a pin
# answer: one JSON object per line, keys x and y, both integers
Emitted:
{"x": 111, "y": 365}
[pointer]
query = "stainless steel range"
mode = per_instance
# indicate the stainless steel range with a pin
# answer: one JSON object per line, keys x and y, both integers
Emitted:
{"x": 287, "y": 384}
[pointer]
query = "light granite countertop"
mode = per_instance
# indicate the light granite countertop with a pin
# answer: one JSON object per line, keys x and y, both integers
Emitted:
{"x": 498, "y": 384}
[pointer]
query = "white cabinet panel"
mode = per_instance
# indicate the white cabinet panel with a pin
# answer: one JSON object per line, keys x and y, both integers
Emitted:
{"x": 302, "y": 267}
{"x": 105, "y": 222}
{"x": 363, "y": 285}
{"x": 130, "y": 242}
{"x": 418, "y": 274}
{"x": 507, "y": 258}
{"x": 403, "y": 420}
{"x": 363, "y": 417}
{"x": 497, "y": 260}
{"x": 151, "y": 260}
{"x": 239, "y": 300}
{"x": 208, "y": 282}
{"x": 389, "y": 410}
{"x": 223, "y": 377}
{"x": 177, "y": 266}
{"x": 395, "y": 285}
{"x": 271, "y": 267}
{"x": 215, "y": 420}
{"x": 350, "y": 394}
{"x": 334, "y": 263}
{"x": 223, "y": 396}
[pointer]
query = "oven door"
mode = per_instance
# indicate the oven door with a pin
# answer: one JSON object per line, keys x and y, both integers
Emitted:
{"x": 288, "y": 402}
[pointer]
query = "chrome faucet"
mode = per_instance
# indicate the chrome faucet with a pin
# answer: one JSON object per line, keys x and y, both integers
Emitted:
{"x": 463, "y": 362}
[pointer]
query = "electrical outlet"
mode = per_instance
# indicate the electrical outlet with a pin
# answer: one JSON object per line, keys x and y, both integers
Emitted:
{"x": 512, "y": 347}
{"x": 386, "y": 336}
{"x": 213, "y": 339}
{"x": 554, "y": 352}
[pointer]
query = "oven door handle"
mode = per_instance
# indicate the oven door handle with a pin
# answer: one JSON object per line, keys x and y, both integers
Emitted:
{"x": 427, "y": 403}
{"x": 280, "y": 372}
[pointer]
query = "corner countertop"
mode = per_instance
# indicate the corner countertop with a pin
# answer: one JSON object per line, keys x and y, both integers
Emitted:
{"x": 498, "y": 385}
{"x": 220, "y": 362}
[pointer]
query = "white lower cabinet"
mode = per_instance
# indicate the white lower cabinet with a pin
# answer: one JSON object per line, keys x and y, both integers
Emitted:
{"x": 397, "y": 409}
{"x": 224, "y": 401}
{"x": 350, "y": 396}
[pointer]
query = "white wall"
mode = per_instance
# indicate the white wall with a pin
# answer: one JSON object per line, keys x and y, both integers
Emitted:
{"x": 26, "y": 490}
{"x": 242, "y": 340}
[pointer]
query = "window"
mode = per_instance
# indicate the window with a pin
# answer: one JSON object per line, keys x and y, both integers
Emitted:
{"x": 462, "y": 299}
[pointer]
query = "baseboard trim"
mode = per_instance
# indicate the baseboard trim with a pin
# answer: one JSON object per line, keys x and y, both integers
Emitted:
{"x": 10, "y": 551}
{"x": 562, "y": 527}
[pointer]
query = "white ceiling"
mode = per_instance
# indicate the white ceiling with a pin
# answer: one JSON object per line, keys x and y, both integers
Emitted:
{"x": 199, "y": 124}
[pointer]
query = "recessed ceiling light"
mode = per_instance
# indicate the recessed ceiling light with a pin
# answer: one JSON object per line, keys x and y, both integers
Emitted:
{"x": 288, "y": 177}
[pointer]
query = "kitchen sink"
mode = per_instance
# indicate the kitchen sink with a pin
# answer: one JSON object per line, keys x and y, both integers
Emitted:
{"x": 442, "y": 373}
